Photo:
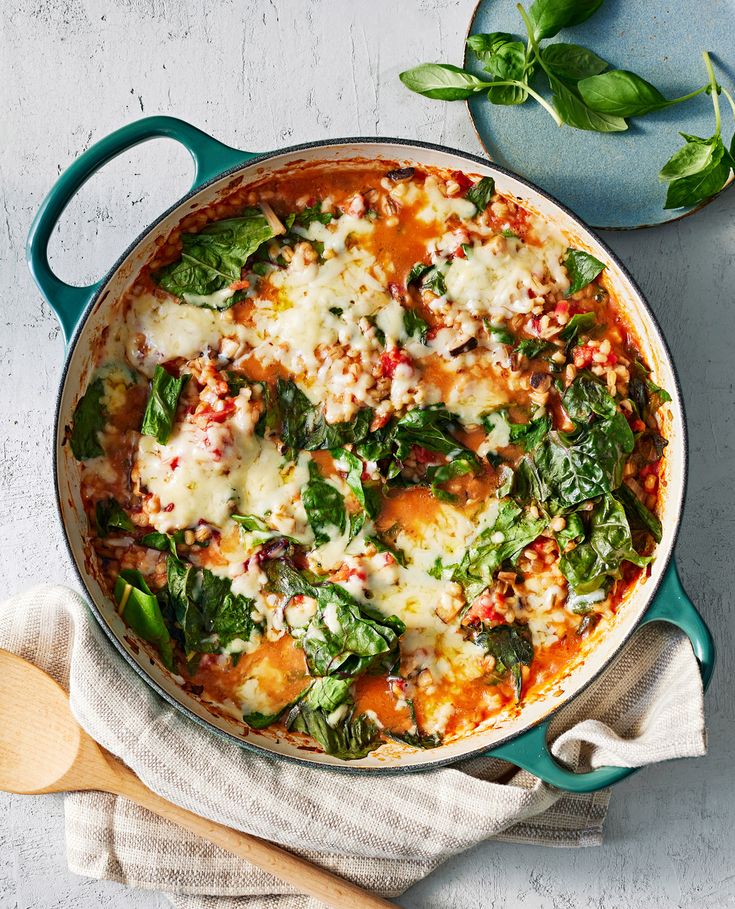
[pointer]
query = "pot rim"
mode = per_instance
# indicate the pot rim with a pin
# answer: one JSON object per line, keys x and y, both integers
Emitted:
{"x": 347, "y": 767}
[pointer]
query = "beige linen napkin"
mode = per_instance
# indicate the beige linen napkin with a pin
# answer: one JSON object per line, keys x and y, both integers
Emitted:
{"x": 384, "y": 833}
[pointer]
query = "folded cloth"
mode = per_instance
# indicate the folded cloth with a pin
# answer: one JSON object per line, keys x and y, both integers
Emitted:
{"x": 386, "y": 834}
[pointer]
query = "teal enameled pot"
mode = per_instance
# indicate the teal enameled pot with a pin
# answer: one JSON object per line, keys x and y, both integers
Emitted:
{"x": 85, "y": 312}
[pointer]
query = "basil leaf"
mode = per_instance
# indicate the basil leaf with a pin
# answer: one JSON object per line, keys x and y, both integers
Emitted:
{"x": 88, "y": 420}
{"x": 508, "y": 62}
{"x": 588, "y": 566}
{"x": 305, "y": 427}
{"x": 140, "y": 609}
{"x": 434, "y": 280}
{"x": 325, "y": 506}
{"x": 639, "y": 516}
{"x": 160, "y": 411}
{"x": 442, "y": 81}
{"x": 572, "y": 61}
{"x": 549, "y": 17}
{"x": 414, "y": 325}
{"x": 481, "y": 193}
{"x": 582, "y": 268}
{"x": 580, "y": 322}
{"x": 486, "y": 46}
{"x": 574, "y": 112}
{"x": 586, "y": 397}
{"x": 621, "y": 94}
{"x": 511, "y": 647}
{"x": 488, "y": 552}
{"x": 214, "y": 258}
{"x": 209, "y": 615}
{"x": 700, "y": 186}
{"x": 695, "y": 156}
{"x": 110, "y": 515}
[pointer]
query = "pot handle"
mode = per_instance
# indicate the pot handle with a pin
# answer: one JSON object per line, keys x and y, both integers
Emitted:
{"x": 530, "y": 750}
{"x": 210, "y": 158}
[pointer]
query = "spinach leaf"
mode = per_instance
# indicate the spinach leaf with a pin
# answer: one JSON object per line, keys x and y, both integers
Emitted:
{"x": 140, "y": 609}
{"x": 418, "y": 270}
{"x": 110, "y": 515}
{"x": 588, "y": 566}
{"x": 348, "y": 638}
{"x": 639, "y": 516}
{"x": 500, "y": 333}
{"x": 348, "y": 739}
{"x": 163, "y": 542}
{"x": 325, "y": 506}
{"x": 587, "y": 397}
{"x": 511, "y": 647}
{"x": 532, "y": 347}
{"x": 368, "y": 496}
{"x": 481, "y": 193}
{"x": 581, "y": 322}
{"x": 573, "y": 468}
{"x": 573, "y": 532}
{"x": 88, "y": 420}
{"x": 644, "y": 393}
{"x": 415, "y": 736}
{"x": 160, "y": 411}
{"x": 214, "y": 258}
{"x": 310, "y": 214}
{"x": 620, "y": 93}
{"x": 414, "y": 325}
{"x": 529, "y": 435}
{"x": 582, "y": 269}
{"x": 343, "y": 637}
{"x": 549, "y": 17}
{"x": 305, "y": 428}
{"x": 209, "y": 615}
{"x": 460, "y": 466}
{"x": 572, "y": 61}
{"x": 383, "y": 546}
{"x": 442, "y": 81}
{"x": 428, "y": 427}
{"x": 513, "y": 530}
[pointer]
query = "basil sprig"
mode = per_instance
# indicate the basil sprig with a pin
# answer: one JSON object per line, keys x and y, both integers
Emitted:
{"x": 585, "y": 94}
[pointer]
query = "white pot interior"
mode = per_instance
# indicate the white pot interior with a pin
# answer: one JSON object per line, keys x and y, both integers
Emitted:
{"x": 590, "y": 662}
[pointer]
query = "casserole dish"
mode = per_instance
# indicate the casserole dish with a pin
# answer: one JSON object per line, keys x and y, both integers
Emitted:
{"x": 85, "y": 314}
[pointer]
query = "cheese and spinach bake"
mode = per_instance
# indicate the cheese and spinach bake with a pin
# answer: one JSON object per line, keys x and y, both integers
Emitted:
{"x": 368, "y": 454}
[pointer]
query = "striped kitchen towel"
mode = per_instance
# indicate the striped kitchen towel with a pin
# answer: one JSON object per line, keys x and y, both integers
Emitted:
{"x": 386, "y": 833}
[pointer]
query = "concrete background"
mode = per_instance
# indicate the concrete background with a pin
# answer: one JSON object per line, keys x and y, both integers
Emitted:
{"x": 259, "y": 75}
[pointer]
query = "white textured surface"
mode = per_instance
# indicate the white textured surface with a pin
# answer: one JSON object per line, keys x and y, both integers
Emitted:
{"x": 260, "y": 75}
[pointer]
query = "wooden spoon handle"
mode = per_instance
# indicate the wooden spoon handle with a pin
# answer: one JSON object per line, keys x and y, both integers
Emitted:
{"x": 302, "y": 875}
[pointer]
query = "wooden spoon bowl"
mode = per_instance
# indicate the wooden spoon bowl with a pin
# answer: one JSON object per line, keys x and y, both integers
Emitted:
{"x": 44, "y": 749}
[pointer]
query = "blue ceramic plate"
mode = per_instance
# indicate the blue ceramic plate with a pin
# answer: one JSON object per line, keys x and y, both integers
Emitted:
{"x": 611, "y": 180}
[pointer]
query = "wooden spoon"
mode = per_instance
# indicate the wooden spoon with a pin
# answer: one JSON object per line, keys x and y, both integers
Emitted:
{"x": 44, "y": 749}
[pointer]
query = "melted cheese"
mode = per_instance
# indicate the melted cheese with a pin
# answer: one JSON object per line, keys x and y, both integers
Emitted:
{"x": 504, "y": 276}
{"x": 171, "y": 330}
